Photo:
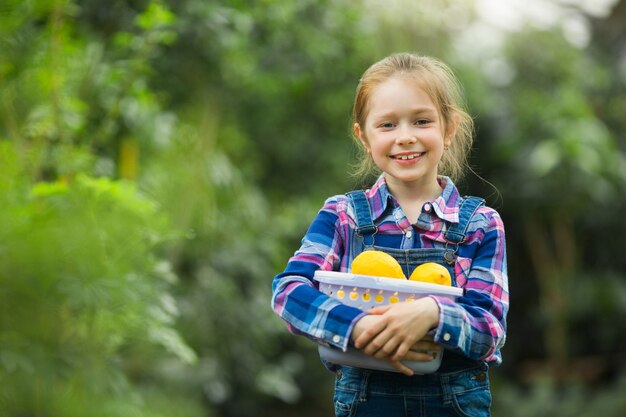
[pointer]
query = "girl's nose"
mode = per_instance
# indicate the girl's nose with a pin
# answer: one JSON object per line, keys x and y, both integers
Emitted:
{"x": 406, "y": 135}
{"x": 406, "y": 139}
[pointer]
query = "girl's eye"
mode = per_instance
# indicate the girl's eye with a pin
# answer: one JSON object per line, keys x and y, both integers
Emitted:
{"x": 422, "y": 122}
{"x": 386, "y": 125}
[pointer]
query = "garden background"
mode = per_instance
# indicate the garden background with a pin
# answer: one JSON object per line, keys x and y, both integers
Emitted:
{"x": 160, "y": 161}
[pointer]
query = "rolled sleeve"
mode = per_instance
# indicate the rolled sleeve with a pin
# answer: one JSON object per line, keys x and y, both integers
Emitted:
{"x": 475, "y": 324}
{"x": 296, "y": 298}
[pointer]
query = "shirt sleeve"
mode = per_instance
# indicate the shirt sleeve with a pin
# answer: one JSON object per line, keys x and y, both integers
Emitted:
{"x": 296, "y": 298}
{"x": 475, "y": 324}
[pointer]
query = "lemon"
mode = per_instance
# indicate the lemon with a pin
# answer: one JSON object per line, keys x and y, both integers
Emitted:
{"x": 377, "y": 263}
{"x": 433, "y": 273}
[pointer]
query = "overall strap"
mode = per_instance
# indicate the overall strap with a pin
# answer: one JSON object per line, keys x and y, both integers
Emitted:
{"x": 363, "y": 213}
{"x": 456, "y": 233}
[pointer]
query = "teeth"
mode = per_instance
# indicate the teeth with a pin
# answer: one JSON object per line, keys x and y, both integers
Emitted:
{"x": 407, "y": 157}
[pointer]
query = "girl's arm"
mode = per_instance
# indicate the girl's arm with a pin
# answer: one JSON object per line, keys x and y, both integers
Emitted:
{"x": 475, "y": 324}
{"x": 296, "y": 298}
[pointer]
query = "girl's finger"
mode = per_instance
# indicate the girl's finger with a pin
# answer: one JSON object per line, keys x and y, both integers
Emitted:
{"x": 419, "y": 356}
{"x": 401, "y": 351}
{"x": 388, "y": 345}
{"x": 376, "y": 343}
{"x": 402, "y": 368}
{"x": 424, "y": 345}
{"x": 428, "y": 338}
{"x": 366, "y": 337}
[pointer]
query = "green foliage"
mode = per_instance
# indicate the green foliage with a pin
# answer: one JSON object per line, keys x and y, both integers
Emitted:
{"x": 87, "y": 309}
{"x": 556, "y": 139}
{"x": 80, "y": 284}
{"x": 71, "y": 99}
{"x": 560, "y": 169}
{"x": 225, "y": 263}
{"x": 263, "y": 63}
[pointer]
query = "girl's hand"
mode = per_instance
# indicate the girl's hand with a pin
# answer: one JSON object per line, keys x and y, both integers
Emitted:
{"x": 390, "y": 332}
{"x": 424, "y": 350}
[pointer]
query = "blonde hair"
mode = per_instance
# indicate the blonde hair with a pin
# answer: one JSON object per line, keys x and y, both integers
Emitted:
{"x": 443, "y": 88}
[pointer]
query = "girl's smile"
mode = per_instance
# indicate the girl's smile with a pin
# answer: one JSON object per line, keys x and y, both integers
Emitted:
{"x": 407, "y": 157}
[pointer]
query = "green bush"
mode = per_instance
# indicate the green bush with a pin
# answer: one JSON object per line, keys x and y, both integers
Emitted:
{"x": 80, "y": 283}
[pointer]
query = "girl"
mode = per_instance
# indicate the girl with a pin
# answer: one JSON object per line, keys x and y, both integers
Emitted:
{"x": 409, "y": 120}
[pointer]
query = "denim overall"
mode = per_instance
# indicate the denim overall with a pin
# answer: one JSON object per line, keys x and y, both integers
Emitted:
{"x": 459, "y": 388}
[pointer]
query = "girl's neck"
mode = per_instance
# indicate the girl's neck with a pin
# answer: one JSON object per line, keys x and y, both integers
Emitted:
{"x": 412, "y": 196}
{"x": 426, "y": 190}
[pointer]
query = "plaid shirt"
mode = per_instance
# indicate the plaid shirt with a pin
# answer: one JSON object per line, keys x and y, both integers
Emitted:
{"x": 474, "y": 325}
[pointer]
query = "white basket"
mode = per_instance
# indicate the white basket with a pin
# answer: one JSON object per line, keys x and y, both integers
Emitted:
{"x": 365, "y": 292}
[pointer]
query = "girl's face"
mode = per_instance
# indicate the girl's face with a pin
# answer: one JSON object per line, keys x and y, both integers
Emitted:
{"x": 403, "y": 132}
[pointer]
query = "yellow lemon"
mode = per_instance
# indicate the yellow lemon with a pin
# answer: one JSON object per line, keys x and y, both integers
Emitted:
{"x": 433, "y": 273}
{"x": 377, "y": 263}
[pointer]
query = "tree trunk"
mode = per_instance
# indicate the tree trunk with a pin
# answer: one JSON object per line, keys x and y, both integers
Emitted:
{"x": 552, "y": 249}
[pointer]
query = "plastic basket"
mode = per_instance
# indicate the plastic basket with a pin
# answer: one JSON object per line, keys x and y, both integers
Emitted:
{"x": 365, "y": 292}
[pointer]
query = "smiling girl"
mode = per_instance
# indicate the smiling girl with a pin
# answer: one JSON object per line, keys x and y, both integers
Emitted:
{"x": 409, "y": 120}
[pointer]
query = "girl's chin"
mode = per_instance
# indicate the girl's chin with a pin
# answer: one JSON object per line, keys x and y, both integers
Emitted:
{"x": 405, "y": 178}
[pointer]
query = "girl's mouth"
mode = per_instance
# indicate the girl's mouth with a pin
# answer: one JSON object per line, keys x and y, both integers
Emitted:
{"x": 407, "y": 156}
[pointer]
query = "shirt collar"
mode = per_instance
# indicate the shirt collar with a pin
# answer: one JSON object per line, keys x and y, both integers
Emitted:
{"x": 446, "y": 206}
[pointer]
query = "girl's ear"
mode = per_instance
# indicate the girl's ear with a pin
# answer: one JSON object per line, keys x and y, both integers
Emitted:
{"x": 359, "y": 133}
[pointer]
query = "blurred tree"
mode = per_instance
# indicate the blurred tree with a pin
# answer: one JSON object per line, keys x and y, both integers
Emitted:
{"x": 87, "y": 310}
{"x": 564, "y": 167}
{"x": 608, "y": 49}
{"x": 82, "y": 294}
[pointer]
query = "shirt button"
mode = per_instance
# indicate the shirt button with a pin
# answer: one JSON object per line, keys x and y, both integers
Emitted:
{"x": 409, "y": 234}
{"x": 336, "y": 338}
{"x": 447, "y": 337}
{"x": 427, "y": 207}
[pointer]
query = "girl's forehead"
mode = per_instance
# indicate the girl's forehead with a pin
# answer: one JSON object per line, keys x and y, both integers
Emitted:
{"x": 400, "y": 81}
{"x": 399, "y": 90}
